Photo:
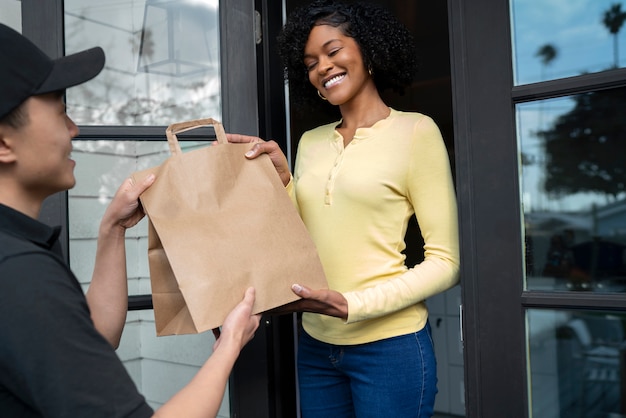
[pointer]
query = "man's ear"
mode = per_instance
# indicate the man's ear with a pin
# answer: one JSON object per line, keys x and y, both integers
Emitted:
{"x": 7, "y": 154}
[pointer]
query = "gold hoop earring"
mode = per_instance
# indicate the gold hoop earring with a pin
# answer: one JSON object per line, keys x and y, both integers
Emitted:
{"x": 321, "y": 97}
{"x": 369, "y": 70}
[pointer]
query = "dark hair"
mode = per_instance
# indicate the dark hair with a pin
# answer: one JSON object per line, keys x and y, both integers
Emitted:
{"x": 386, "y": 44}
{"x": 16, "y": 118}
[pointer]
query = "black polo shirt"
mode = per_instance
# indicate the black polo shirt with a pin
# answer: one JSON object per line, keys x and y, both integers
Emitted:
{"x": 53, "y": 362}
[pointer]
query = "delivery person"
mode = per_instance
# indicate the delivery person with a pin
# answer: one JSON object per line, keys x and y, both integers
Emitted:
{"x": 57, "y": 355}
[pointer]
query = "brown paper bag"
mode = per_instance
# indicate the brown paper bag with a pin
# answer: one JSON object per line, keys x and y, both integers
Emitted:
{"x": 219, "y": 223}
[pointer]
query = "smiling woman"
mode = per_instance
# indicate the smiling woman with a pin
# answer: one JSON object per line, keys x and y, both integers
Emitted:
{"x": 337, "y": 70}
{"x": 357, "y": 182}
{"x": 392, "y": 62}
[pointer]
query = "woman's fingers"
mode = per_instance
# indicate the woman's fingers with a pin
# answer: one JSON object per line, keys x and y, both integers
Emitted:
{"x": 238, "y": 138}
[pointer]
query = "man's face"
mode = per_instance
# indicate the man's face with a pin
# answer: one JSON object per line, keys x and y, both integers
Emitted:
{"x": 43, "y": 146}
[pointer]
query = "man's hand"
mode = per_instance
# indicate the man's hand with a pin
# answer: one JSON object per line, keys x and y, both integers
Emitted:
{"x": 125, "y": 210}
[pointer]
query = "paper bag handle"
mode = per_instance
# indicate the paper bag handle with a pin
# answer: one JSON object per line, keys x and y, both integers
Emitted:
{"x": 175, "y": 128}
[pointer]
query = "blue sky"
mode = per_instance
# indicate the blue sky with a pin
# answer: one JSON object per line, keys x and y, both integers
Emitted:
{"x": 574, "y": 27}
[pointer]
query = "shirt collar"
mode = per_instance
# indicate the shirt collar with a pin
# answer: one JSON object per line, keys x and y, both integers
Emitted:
{"x": 18, "y": 224}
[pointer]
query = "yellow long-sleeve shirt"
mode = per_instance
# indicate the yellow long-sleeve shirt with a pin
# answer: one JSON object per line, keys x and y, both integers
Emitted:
{"x": 356, "y": 203}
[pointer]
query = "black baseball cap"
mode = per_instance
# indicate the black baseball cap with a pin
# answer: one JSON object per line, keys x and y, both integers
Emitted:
{"x": 25, "y": 70}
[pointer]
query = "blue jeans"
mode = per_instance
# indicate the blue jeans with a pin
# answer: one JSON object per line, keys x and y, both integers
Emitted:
{"x": 391, "y": 378}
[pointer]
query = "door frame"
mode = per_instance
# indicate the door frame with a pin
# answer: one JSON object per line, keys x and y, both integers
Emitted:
{"x": 489, "y": 209}
{"x": 491, "y": 220}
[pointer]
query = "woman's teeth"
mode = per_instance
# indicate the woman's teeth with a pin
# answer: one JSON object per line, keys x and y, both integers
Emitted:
{"x": 334, "y": 81}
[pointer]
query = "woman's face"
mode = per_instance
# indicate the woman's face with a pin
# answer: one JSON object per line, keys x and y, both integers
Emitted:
{"x": 335, "y": 64}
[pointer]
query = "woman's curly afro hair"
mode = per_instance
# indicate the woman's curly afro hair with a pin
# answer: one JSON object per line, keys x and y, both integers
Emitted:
{"x": 386, "y": 44}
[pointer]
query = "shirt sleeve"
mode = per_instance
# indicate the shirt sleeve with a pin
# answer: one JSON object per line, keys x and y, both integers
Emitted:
{"x": 52, "y": 357}
{"x": 291, "y": 191}
{"x": 430, "y": 190}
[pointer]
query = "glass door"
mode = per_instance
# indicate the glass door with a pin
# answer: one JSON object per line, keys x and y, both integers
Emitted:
{"x": 540, "y": 140}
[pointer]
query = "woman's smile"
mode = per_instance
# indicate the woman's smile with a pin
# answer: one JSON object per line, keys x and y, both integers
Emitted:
{"x": 334, "y": 80}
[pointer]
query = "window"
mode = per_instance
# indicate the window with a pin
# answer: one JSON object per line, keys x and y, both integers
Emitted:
{"x": 574, "y": 191}
{"x": 575, "y": 362}
{"x": 553, "y": 40}
{"x": 162, "y": 61}
{"x": 570, "y": 136}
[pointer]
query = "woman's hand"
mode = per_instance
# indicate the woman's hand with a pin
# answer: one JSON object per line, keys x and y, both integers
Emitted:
{"x": 270, "y": 148}
{"x": 321, "y": 301}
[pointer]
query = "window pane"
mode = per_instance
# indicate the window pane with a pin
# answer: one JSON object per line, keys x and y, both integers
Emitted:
{"x": 576, "y": 364}
{"x": 162, "y": 61}
{"x": 11, "y": 14}
{"x": 573, "y": 185}
{"x": 101, "y": 167}
{"x": 555, "y": 39}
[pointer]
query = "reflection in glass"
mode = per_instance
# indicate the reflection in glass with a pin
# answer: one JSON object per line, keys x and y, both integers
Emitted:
{"x": 573, "y": 186}
{"x": 162, "y": 61}
{"x": 554, "y": 39}
{"x": 186, "y": 49}
{"x": 577, "y": 364}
